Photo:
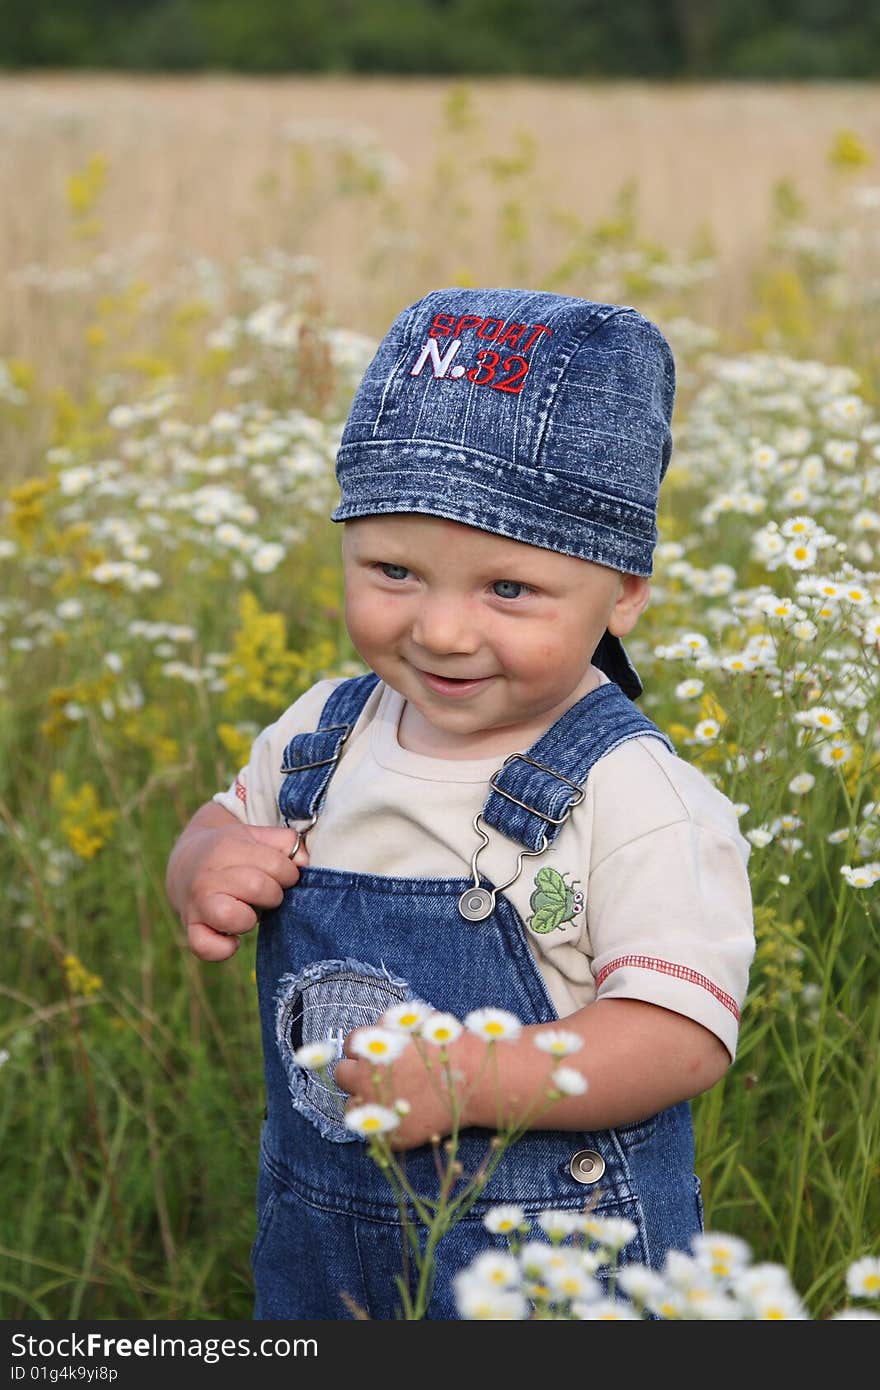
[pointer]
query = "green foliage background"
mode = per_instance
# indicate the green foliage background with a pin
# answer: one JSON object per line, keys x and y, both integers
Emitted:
{"x": 796, "y": 39}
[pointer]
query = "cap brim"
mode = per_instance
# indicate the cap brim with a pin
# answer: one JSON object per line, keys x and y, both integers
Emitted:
{"x": 610, "y": 656}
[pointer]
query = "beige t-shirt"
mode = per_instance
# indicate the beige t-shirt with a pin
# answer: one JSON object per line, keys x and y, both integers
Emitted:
{"x": 660, "y": 905}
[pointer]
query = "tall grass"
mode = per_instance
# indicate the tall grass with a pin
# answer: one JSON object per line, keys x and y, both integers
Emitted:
{"x": 170, "y": 583}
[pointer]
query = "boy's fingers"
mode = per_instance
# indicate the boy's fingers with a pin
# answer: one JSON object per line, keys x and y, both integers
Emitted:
{"x": 208, "y": 944}
{"x": 279, "y": 837}
{"x": 222, "y": 912}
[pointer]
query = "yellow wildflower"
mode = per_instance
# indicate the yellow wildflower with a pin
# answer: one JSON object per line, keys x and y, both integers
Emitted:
{"x": 710, "y": 709}
{"x": 79, "y": 979}
{"x": 85, "y": 187}
{"x": 27, "y": 505}
{"x": 261, "y": 669}
{"x": 777, "y": 958}
{"x": 848, "y": 151}
{"x": 236, "y": 741}
{"x": 84, "y": 823}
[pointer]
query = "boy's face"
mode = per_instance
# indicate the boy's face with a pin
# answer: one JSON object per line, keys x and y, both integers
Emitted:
{"x": 478, "y": 633}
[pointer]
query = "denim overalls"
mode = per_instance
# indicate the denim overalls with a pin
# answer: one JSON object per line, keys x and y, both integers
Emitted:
{"x": 341, "y": 949}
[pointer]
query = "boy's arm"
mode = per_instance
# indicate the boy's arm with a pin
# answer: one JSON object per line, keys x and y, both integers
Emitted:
{"x": 221, "y": 871}
{"x": 637, "y": 1058}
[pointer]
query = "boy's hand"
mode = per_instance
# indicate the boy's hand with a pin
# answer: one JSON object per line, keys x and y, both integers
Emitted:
{"x": 222, "y": 872}
{"x": 417, "y": 1077}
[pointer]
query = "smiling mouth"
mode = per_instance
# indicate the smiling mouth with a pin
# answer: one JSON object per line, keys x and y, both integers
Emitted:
{"x": 452, "y": 685}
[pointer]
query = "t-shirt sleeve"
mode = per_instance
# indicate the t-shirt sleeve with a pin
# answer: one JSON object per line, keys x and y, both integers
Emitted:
{"x": 671, "y": 923}
{"x": 253, "y": 795}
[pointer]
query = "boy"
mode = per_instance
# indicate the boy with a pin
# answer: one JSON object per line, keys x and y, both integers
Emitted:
{"x": 490, "y": 820}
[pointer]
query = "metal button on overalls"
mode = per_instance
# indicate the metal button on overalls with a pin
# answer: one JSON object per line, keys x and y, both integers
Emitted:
{"x": 587, "y": 1166}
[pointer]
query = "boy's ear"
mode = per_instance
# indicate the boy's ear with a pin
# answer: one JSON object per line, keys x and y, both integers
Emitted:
{"x": 635, "y": 591}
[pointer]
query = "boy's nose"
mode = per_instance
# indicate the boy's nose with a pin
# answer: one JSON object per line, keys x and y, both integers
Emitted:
{"x": 442, "y": 625}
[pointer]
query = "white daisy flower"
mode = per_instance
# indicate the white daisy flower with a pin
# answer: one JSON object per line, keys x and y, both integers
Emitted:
{"x": 440, "y": 1029}
{"x": 573, "y": 1282}
{"x": 670, "y": 1306}
{"x": 496, "y": 1267}
{"x": 569, "y": 1081}
{"x": 494, "y": 1025}
{"x": 759, "y": 1281}
{"x": 406, "y": 1017}
{"x": 504, "y": 1219}
{"x": 820, "y": 717}
{"x": 800, "y": 554}
{"x": 614, "y": 1232}
{"x": 267, "y": 558}
{"x": 863, "y": 1277}
{"x": 783, "y": 1304}
{"x": 224, "y": 422}
{"x": 379, "y": 1045}
{"x": 829, "y": 589}
{"x": 837, "y": 754}
{"x": 776, "y": 607}
{"x": 121, "y": 417}
{"x": 558, "y": 1042}
{"x": 767, "y": 544}
{"x": 861, "y": 875}
{"x": 795, "y": 526}
{"x": 739, "y": 661}
{"x": 643, "y": 1285}
{"x": 721, "y": 1254}
{"x": 715, "y": 1307}
{"x": 843, "y": 452}
{"x": 689, "y": 689}
{"x": 478, "y": 1301}
{"x": 802, "y": 783}
{"x": 536, "y": 1258}
{"x": 606, "y": 1310}
{"x": 559, "y": 1224}
{"x": 851, "y": 1314}
{"x": 367, "y": 1120}
{"x": 765, "y": 457}
{"x": 707, "y": 731}
{"x": 69, "y": 609}
{"x": 693, "y": 641}
{"x": 856, "y": 594}
{"x": 759, "y": 836}
{"x": 314, "y": 1056}
{"x": 682, "y": 1272}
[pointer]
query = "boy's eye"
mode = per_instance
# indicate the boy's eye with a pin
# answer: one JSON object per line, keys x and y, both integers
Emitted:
{"x": 509, "y": 588}
{"x": 394, "y": 571}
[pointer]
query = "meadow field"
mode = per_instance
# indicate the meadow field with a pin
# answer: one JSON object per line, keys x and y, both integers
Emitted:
{"x": 195, "y": 273}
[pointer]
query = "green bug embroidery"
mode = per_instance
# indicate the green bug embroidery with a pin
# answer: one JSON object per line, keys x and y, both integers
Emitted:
{"x": 554, "y": 902}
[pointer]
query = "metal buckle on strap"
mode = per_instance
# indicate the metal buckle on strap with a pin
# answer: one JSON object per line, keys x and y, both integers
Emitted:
{"x": 324, "y": 762}
{"x": 579, "y": 792}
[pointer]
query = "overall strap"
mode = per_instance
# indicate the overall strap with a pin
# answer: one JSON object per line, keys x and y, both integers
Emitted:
{"x": 310, "y": 759}
{"x": 533, "y": 793}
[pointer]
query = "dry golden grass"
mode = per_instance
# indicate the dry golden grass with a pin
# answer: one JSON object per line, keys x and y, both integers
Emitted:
{"x": 200, "y": 165}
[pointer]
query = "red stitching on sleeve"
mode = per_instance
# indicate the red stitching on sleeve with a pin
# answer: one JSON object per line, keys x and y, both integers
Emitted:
{"x": 241, "y": 790}
{"x": 678, "y": 972}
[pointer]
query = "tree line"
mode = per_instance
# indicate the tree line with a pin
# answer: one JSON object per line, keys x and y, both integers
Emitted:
{"x": 655, "y": 39}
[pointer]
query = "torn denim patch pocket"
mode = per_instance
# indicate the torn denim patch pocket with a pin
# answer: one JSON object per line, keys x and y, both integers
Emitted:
{"x": 327, "y": 1000}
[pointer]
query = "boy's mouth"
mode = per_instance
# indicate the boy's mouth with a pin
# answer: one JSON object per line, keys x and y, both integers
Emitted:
{"x": 452, "y": 685}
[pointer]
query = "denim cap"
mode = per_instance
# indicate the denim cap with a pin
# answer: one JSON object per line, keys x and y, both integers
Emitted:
{"x": 535, "y": 416}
